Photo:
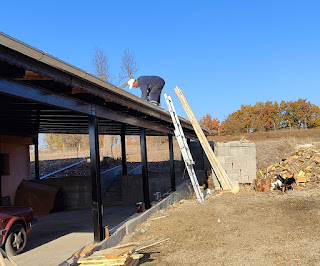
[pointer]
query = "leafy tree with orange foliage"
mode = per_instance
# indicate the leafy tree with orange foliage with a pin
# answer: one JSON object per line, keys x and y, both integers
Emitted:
{"x": 272, "y": 116}
{"x": 210, "y": 123}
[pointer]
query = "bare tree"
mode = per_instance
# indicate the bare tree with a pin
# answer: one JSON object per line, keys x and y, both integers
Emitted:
{"x": 128, "y": 66}
{"x": 101, "y": 64}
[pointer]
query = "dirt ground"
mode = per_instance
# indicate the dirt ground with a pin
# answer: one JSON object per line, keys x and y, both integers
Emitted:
{"x": 248, "y": 228}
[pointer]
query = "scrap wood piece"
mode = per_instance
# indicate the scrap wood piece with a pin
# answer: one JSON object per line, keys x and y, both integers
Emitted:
{"x": 5, "y": 255}
{"x": 104, "y": 261}
{"x": 293, "y": 169}
{"x": 316, "y": 159}
{"x": 116, "y": 253}
{"x": 271, "y": 168}
{"x": 151, "y": 245}
{"x": 117, "y": 250}
{"x": 137, "y": 256}
{"x": 119, "y": 255}
{"x": 301, "y": 179}
{"x": 132, "y": 263}
{"x": 84, "y": 251}
{"x": 160, "y": 217}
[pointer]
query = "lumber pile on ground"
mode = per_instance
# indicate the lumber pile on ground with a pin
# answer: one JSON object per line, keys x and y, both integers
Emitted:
{"x": 127, "y": 254}
{"x": 304, "y": 164}
{"x": 120, "y": 255}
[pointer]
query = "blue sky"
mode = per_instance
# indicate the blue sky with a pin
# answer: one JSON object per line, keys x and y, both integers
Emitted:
{"x": 222, "y": 54}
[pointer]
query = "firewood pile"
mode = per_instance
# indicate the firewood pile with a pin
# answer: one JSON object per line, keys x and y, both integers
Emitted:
{"x": 304, "y": 165}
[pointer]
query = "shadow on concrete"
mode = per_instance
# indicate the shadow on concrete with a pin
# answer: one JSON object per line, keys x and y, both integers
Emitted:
{"x": 55, "y": 225}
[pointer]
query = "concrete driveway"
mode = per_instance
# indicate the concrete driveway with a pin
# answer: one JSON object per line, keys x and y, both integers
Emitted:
{"x": 58, "y": 235}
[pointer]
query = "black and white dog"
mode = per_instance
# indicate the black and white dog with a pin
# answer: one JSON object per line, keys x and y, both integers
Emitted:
{"x": 286, "y": 182}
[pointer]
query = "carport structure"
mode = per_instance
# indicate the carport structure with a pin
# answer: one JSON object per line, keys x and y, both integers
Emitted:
{"x": 42, "y": 94}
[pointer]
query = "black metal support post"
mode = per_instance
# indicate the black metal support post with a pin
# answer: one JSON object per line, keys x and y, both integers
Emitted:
{"x": 145, "y": 174}
{"x": 188, "y": 142}
{"x": 172, "y": 171}
{"x": 97, "y": 207}
{"x": 1, "y": 173}
{"x": 0, "y": 188}
{"x": 36, "y": 156}
{"x": 123, "y": 150}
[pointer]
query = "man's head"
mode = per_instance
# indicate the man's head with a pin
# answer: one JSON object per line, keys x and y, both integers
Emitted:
{"x": 136, "y": 84}
{"x": 133, "y": 83}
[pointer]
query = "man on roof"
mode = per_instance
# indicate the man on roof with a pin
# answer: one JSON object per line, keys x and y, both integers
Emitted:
{"x": 149, "y": 86}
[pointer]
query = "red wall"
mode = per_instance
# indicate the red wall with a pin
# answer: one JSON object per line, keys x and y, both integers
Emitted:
{"x": 19, "y": 163}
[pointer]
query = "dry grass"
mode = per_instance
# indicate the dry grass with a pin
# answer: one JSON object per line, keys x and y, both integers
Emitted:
{"x": 274, "y": 146}
{"x": 294, "y": 135}
{"x": 248, "y": 228}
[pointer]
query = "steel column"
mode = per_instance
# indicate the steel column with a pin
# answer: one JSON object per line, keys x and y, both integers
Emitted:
{"x": 172, "y": 170}
{"x": 97, "y": 207}
{"x": 188, "y": 142}
{"x": 145, "y": 174}
{"x": 0, "y": 191}
{"x": 123, "y": 150}
{"x": 36, "y": 156}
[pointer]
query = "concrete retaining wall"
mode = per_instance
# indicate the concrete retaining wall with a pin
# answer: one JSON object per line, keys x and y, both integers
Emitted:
{"x": 76, "y": 190}
{"x": 158, "y": 182}
{"x": 128, "y": 225}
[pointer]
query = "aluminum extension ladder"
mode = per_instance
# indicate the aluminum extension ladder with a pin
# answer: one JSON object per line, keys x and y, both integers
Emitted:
{"x": 186, "y": 154}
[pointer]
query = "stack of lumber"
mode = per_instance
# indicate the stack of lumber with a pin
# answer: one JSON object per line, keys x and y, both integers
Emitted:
{"x": 304, "y": 164}
{"x": 120, "y": 255}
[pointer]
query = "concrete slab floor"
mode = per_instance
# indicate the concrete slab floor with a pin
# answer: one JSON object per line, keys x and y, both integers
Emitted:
{"x": 58, "y": 235}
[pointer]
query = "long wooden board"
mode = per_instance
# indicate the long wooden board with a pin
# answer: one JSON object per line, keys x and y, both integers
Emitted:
{"x": 84, "y": 251}
{"x": 215, "y": 164}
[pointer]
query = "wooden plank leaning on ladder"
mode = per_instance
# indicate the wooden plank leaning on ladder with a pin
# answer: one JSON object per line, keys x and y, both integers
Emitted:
{"x": 221, "y": 174}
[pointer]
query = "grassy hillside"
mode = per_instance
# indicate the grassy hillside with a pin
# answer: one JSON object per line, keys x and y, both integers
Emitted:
{"x": 273, "y": 146}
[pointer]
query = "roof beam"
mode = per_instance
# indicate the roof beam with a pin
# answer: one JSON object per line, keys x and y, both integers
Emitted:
{"x": 36, "y": 61}
{"x": 29, "y": 75}
{"x": 30, "y": 93}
